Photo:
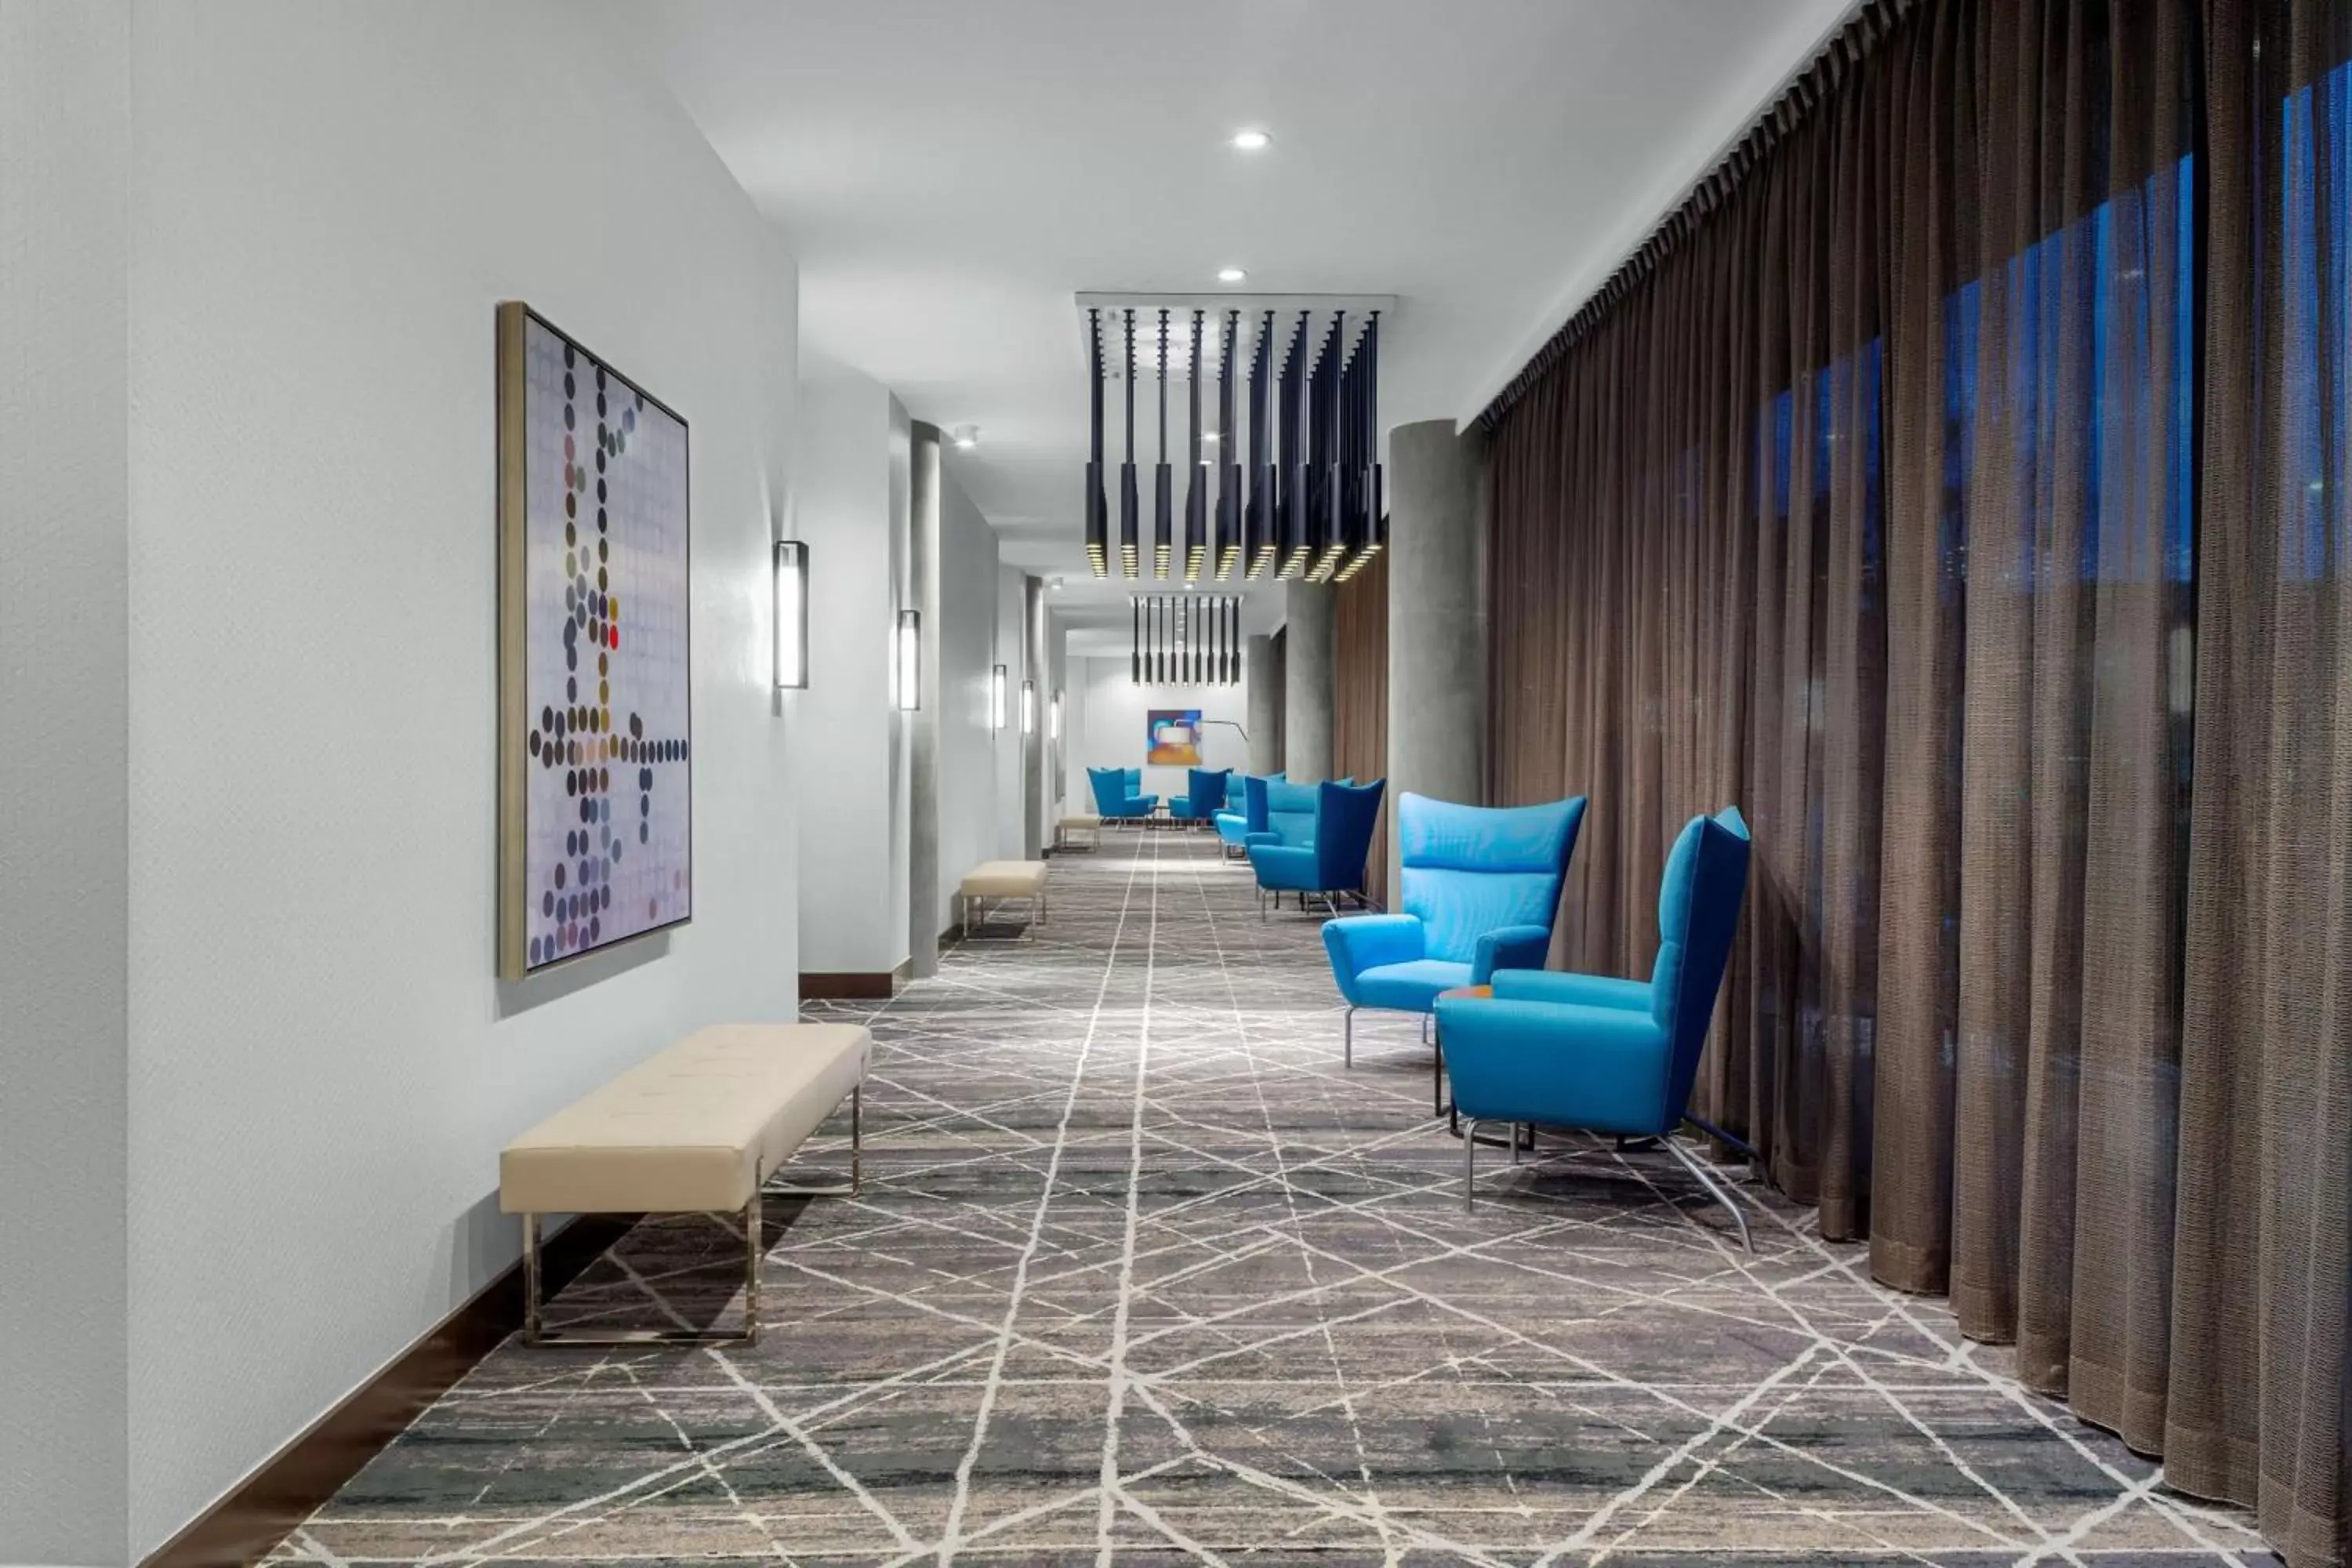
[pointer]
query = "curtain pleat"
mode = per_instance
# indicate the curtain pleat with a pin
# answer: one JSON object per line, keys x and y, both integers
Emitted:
{"x": 1965, "y": 496}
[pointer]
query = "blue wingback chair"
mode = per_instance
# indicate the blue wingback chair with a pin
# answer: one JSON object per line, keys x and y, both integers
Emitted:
{"x": 1233, "y": 824}
{"x": 1317, "y": 848}
{"x": 1204, "y": 796}
{"x": 1604, "y": 1055}
{"x": 1481, "y": 886}
{"x": 1119, "y": 793}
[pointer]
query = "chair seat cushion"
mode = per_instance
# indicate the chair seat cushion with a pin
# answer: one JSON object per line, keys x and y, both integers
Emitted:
{"x": 1413, "y": 986}
{"x": 691, "y": 1129}
{"x": 1280, "y": 865}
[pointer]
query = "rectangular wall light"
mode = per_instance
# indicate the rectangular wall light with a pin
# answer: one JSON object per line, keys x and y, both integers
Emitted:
{"x": 1053, "y": 721}
{"x": 910, "y": 660}
{"x": 792, "y": 614}
{"x": 1028, "y": 707}
{"x": 996, "y": 694}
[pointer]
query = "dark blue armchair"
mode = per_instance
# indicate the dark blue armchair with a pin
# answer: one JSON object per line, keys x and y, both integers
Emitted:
{"x": 1204, "y": 796}
{"x": 1481, "y": 886}
{"x": 1603, "y": 1054}
{"x": 1316, "y": 839}
{"x": 1118, "y": 793}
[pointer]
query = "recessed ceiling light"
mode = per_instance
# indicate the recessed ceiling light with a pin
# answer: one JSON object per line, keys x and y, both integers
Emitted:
{"x": 1252, "y": 139}
{"x": 966, "y": 436}
{"x": 1230, "y": 273}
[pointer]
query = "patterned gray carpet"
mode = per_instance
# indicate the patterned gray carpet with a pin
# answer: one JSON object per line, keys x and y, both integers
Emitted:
{"x": 1139, "y": 1275}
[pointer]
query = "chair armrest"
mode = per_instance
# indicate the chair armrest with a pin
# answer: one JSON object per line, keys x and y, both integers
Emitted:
{"x": 1270, "y": 840}
{"x": 1578, "y": 990}
{"x": 1509, "y": 947}
{"x": 1603, "y": 1068}
{"x": 1359, "y": 942}
{"x": 1145, "y": 800}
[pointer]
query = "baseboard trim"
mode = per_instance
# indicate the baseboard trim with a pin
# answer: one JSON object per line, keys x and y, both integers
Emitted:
{"x": 250, "y": 1520}
{"x": 847, "y": 984}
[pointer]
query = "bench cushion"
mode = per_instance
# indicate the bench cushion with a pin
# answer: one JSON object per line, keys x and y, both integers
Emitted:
{"x": 1004, "y": 879}
{"x": 1084, "y": 820}
{"x": 691, "y": 1129}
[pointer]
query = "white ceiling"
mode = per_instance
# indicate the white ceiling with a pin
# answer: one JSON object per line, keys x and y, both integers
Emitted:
{"x": 951, "y": 174}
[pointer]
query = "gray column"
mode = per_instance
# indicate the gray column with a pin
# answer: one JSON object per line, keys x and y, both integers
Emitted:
{"x": 1307, "y": 696}
{"x": 1265, "y": 705}
{"x": 1033, "y": 745}
{"x": 924, "y": 918}
{"x": 1437, "y": 616}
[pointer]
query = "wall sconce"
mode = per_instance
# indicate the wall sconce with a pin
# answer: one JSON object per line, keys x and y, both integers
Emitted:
{"x": 792, "y": 614}
{"x": 910, "y": 660}
{"x": 1028, "y": 707}
{"x": 996, "y": 695}
{"x": 1053, "y": 721}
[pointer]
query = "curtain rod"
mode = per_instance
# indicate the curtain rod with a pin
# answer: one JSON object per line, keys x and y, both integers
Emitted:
{"x": 1862, "y": 32}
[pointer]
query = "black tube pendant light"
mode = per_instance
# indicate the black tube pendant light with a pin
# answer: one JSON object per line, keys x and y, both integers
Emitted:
{"x": 1259, "y": 545}
{"x": 1097, "y": 512}
{"x": 1163, "y": 478}
{"x": 1135, "y": 639}
{"x": 1229, "y": 457}
{"x": 1196, "y": 478}
{"x": 1129, "y": 499}
{"x": 1297, "y": 459}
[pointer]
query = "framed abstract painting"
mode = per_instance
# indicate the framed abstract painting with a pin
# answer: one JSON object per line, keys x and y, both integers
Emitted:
{"x": 595, "y": 692}
{"x": 1173, "y": 738}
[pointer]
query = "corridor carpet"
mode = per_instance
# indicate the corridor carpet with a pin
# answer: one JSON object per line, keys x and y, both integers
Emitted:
{"x": 1139, "y": 1275}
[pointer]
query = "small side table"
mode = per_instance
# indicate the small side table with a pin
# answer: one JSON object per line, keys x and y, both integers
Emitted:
{"x": 1437, "y": 1086}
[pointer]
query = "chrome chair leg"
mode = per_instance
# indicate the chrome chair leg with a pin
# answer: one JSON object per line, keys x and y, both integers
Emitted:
{"x": 1469, "y": 1160}
{"x": 1706, "y": 1179}
{"x": 1347, "y": 1038}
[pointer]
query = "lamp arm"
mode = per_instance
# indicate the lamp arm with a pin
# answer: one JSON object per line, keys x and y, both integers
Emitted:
{"x": 1229, "y": 724}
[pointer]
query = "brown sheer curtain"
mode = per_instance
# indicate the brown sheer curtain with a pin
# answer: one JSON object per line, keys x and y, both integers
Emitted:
{"x": 1360, "y": 717}
{"x": 1961, "y": 488}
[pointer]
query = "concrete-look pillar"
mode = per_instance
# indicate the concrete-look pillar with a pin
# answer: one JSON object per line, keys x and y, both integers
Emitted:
{"x": 1307, "y": 696}
{"x": 1437, "y": 617}
{"x": 1033, "y": 745}
{"x": 924, "y": 918}
{"x": 1265, "y": 705}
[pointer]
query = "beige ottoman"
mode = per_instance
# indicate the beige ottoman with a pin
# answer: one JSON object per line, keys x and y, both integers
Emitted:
{"x": 1001, "y": 882}
{"x": 1067, "y": 831}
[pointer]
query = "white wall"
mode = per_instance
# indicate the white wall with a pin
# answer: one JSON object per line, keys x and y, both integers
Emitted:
{"x": 1012, "y": 837}
{"x": 970, "y": 753}
{"x": 327, "y": 202}
{"x": 850, "y": 502}
{"x": 1111, "y": 733}
{"x": 64, "y": 871}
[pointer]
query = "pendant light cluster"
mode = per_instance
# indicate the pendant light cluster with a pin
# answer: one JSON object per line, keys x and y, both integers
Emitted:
{"x": 1306, "y": 500}
{"x": 1186, "y": 639}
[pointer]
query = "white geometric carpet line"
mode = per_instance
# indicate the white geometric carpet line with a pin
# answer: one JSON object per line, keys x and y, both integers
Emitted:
{"x": 1116, "y": 1404}
{"x": 962, "y": 1498}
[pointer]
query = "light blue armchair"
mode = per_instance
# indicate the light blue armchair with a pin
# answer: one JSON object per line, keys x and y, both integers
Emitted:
{"x": 1118, "y": 793}
{"x": 1204, "y": 796}
{"x": 1481, "y": 886}
{"x": 1316, "y": 839}
{"x": 1609, "y": 1056}
{"x": 1233, "y": 823}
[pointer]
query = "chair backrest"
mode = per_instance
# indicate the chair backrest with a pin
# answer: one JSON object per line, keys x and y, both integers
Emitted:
{"x": 1344, "y": 816}
{"x": 1205, "y": 788}
{"x": 1470, "y": 869}
{"x": 1110, "y": 788}
{"x": 1254, "y": 800}
{"x": 1698, "y": 913}
{"x": 1289, "y": 812}
{"x": 1133, "y": 778}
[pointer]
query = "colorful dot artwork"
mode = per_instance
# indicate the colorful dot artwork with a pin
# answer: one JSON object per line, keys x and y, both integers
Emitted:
{"x": 609, "y": 802}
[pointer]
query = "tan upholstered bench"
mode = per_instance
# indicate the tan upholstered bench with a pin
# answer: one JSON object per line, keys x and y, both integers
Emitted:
{"x": 1066, "y": 831}
{"x": 698, "y": 1129}
{"x": 1001, "y": 882}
